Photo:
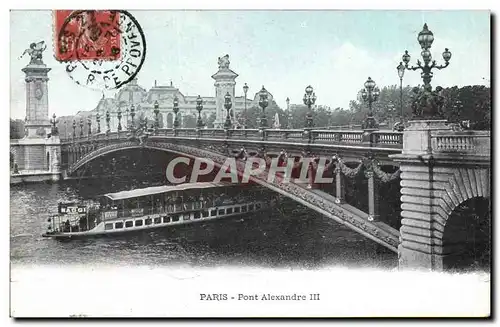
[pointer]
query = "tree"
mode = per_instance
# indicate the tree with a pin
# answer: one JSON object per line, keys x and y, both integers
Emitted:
{"x": 189, "y": 121}
{"x": 210, "y": 120}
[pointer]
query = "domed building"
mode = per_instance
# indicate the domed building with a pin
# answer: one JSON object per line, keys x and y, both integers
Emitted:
{"x": 132, "y": 94}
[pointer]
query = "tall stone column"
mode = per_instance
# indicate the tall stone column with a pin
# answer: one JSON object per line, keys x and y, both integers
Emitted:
{"x": 224, "y": 83}
{"x": 39, "y": 152}
{"x": 37, "y": 103}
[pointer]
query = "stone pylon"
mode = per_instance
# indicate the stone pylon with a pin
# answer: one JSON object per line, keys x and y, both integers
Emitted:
{"x": 224, "y": 83}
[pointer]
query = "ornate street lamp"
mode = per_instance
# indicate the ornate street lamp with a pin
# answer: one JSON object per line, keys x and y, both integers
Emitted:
{"x": 98, "y": 119}
{"x": 401, "y": 74}
{"x": 108, "y": 119}
{"x": 309, "y": 100}
{"x": 263, "y": 103}
{"x": 119, "y": 116}
{"x": 81, "y": 127}
{"x": 370, "y": 94}
{"x": 89, "y": 123}
{"x": 126, "y": 116}
{"x": 74, "y": 129}
{"x": 391, "y": 110}
{"x": 156, "y": 112}
{"x": 132, "y": 115}
{"x": 227, "y": 105}
{"x": 425, "y": 39}
{"x": 176, "y": 111}
{"x": 245, "y": 90}
{"x": 199, "y": 108}
{"x": 289, "y": 117}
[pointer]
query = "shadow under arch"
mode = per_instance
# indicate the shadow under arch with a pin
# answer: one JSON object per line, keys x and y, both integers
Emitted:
{"x": 467, "y": 236}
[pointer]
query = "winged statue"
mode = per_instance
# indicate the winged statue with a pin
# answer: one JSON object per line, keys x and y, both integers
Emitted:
{"x": 35, "y": 51}
{"x": 223, "y": 62}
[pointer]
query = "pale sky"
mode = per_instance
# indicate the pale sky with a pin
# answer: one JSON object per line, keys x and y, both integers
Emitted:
{"x": 334, "y": 51}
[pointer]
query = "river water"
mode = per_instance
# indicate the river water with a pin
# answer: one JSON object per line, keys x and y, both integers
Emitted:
{"x": 306, "y": 241}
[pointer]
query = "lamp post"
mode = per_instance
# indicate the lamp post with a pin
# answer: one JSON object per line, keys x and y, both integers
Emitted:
{"x": 176, "y": 111}
{"x": 263, "y": 103}
{"x": 370, "y": 94}
{"x": 156, "y": 112}
{"x": 227, "y": 105}
{"x": 199, "y": 108}
{"x": 245, "y": 90}
{"x": 89, "y": 123}
{"x": 289, "y": 114}
{"x": 309, "y": 100}
{"x": 132, "y": 115}
{"x": 74, "y": 129}
{"x": 391, "y": 109}
{"x": 425, "y": 39}
{"x": 401, "y": 74}
{"x": 126, "y": 116}
{"x": 98, "y": 119}
{"x": 54, "y": 131}
{"x": 81, "y": 127}
{"x": 108, "y": 119}
{"x": 119, "y": 115}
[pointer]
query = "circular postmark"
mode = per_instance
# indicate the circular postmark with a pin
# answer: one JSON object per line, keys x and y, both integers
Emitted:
{"x": 102, "y": 49}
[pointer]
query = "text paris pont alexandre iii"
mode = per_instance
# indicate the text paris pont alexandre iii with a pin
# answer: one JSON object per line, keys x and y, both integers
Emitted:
{"x": 260, "y": 297}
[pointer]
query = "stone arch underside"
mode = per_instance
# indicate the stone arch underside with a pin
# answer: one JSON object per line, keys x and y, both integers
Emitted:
{"x": 343, "y": 213}
{"x": 427, "y": 202}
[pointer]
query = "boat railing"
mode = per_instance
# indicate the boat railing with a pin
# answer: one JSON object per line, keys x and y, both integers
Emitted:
{"x": 79, "y": 223}
{"x": 169, "y": 208}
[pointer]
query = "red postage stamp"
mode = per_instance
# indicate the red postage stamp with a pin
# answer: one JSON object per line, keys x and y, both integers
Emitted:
{"x": 87, "y": 35}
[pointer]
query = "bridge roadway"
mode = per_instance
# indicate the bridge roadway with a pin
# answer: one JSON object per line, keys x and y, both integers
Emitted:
{"x": 219, "y": 144}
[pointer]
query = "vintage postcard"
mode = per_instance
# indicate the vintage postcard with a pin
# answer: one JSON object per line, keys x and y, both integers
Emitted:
{"x": 250, "y": 163}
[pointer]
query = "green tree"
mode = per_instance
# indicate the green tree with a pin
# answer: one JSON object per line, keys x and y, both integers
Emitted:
{"x": 189, "y": 121}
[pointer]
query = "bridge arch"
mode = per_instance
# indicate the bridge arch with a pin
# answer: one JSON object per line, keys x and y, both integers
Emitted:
{"x": 466, "y": 238}
{"x": 431, "y": 202}
{"x": 340, "y": 212}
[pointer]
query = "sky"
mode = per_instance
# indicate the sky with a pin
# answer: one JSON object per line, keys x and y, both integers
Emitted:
{"x": 334, "y": 51}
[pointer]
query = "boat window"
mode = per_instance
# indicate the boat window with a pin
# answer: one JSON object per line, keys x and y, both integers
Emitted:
{"x": 138, "y": 222}
{"x": 175, "y": 218}
{"x": 149, "y": 221}
{"x": 244, "y": 208}
{"x": 221, "y": 211}
{"x": 205, "y": 214}
{"x": 119, "y": 225}
{"x": 213, "y": 212}
{"x": 166, "y": 220}
{"x": 258, "y": 206}
{"x": 158, "y": 220}
{"x": 236, "y": 209}
{"x": 108, "y": 226}
{"x": 229, "y": 211}
{"x": 129, "y": 223}
{"x": 250, "y": 207}
{"x": 197, "y": 215}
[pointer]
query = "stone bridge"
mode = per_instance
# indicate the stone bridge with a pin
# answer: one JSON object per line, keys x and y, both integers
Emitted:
{"x": 440, "y": 170}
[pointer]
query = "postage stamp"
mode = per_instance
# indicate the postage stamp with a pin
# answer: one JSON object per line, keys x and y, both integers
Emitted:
{"x": 102, "y": 49}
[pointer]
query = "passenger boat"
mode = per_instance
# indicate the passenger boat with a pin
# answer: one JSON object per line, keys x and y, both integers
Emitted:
{"x": 155, "y": 207}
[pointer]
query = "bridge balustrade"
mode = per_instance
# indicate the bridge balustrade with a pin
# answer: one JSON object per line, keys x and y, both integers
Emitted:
{"x": 393, "y": 139}
{"x": 468, "y": 142}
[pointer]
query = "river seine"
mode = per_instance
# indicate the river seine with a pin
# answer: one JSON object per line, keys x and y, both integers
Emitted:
{"x": 306, "y": 241}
